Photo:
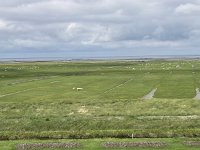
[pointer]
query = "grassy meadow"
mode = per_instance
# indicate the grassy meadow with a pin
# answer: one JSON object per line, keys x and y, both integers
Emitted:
{"x": 97, "y": 144}
{"x": 40, "y": 100}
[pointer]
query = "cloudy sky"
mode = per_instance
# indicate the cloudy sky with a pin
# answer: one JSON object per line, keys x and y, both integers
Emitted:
{"x": 99, "y": 28}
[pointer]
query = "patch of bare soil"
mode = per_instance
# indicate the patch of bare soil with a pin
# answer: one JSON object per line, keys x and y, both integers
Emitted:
{"x": 82, "y": 110}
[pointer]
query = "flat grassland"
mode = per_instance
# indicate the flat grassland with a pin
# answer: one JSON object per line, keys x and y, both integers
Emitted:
{"x": 99, "y": 99}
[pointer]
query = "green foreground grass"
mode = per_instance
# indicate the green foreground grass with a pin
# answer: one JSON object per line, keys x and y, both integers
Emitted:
{"x": 37, "y": 100}
{"x": 96, "y": 144}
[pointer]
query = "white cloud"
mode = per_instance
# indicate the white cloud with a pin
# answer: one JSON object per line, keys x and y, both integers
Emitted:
{"x": 87, "y": 33}
{"x": 188, "y": 8}
{"x": 3, "y": 24}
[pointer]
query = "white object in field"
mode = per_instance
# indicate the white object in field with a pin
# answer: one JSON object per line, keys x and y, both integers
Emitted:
{"x": 79, "y": 89}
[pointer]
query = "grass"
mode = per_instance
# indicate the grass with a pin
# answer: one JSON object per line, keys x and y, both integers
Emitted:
{"x": 91, "y": 144}
{"x": 37, "y": 99}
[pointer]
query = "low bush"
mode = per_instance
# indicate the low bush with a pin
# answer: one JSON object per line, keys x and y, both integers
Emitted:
{"x": 27, "y": 146}
{"x": 89, "y": 134}
{"x": 192, "y": 143}
{"x": 133, "y": 144}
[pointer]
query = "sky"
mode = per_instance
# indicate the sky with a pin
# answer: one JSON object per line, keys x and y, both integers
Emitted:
{"x": 99, "y": 28}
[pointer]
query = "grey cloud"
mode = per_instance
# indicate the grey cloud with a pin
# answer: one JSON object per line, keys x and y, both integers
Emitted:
{"x": 99, "y": 24}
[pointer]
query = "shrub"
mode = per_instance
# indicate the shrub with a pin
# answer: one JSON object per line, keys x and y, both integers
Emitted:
{"x": 133, "y": 144}
{"x": 192, "y": 143}
{"x": 27, "y": 146}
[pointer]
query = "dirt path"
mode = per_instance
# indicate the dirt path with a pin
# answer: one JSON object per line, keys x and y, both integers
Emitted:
{"x": 197, "y": 97}
{"x": 119, "y": 85}
{"x": 54, "y": 82}
{"x": 15, "y": 93}
{"x": 32, "y": 80}
{"x": 169, "y": 117}
{"x": 30, "y": 88}
{"x": 150, "y": 95}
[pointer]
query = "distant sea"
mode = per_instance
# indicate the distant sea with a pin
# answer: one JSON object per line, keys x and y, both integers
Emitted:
{"x": 148, "y": 57}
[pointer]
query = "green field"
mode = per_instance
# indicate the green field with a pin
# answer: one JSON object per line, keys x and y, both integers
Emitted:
{"x": 38, "y": 99}
{"x": 96, "y": 144}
